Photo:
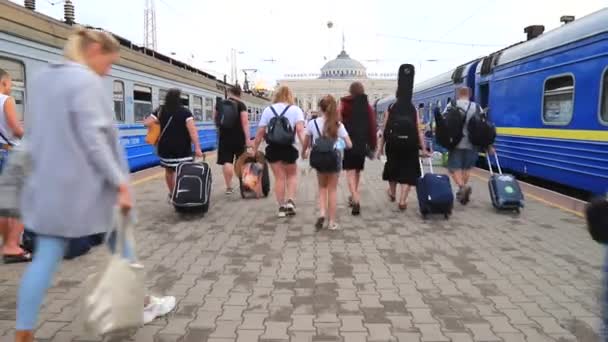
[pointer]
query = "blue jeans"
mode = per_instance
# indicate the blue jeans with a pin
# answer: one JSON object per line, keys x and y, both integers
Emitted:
{"x": 38, "y": 276}
{"x": 3, "y": 157}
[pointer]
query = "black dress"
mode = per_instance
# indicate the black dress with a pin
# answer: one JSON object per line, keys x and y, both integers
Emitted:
{"x": 174, "y": 145}
{"x": 401, "y": 166}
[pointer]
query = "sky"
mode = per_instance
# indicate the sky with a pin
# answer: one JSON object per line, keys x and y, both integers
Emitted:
{"x": 296, "y": 36}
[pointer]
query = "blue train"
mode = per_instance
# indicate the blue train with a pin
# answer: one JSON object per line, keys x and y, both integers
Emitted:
{"x": 137, "y": 83}
{"x": 548, "y": 97}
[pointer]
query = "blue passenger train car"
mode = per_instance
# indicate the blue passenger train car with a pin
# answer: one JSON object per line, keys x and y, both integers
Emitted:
{"x": 137, "y": 83}
{"x": 548, "y": 97}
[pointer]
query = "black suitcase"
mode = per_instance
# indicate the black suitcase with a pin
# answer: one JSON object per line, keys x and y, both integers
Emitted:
{"x": 434, "y": 192}
{"x": 505, "y": 191}
{"x": 192, "y": 190}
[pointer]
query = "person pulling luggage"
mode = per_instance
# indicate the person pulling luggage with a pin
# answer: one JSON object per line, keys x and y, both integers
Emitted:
{"x": 403, "y": 139}
{"x": 453, "y": 133}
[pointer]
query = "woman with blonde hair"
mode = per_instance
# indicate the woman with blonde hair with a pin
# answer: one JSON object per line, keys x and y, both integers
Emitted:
{"x": 279, "y": 124}
{"x": 78, "y": 150}
{"x": 326, "y": 130}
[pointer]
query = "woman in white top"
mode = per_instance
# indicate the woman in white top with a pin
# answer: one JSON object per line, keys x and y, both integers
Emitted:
{"x": 330, "y": 127}
{"x": 282, "y": 157}
{"x": 10, "y": 132}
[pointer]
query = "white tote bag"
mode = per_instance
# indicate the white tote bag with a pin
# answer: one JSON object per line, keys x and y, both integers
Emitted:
{"x": 114, "y": 297}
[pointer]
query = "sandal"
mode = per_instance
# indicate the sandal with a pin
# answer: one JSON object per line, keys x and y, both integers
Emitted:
{"x": 320, "y": 222}
{"x": 391, "y": 197}
{"x": 402, "y": 206}
{"x": 17, "y": 258}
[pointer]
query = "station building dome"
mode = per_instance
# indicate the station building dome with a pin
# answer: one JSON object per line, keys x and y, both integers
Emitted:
{"x": 343, "y": 67}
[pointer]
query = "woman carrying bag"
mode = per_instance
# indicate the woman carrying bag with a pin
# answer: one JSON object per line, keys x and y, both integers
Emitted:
{"x": 79, "y": 173}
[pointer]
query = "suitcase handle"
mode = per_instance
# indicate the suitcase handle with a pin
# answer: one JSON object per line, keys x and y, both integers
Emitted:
{"x": 422, "y": 167}
{"x": 490, "y": 164}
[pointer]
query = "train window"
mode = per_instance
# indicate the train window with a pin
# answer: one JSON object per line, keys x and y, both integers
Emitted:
{"x": 197, "y": 108}
{"x": 17, "y": 72}
{"x": 118, "y": 95}
{"x": 162, "y": 93}
{"x": 185, "y": 100}
{"x": 558, "y": 100}
{"x": 604, "y": 109}
{"x": 142, "y": 102}
{"x": 208, "y": 109}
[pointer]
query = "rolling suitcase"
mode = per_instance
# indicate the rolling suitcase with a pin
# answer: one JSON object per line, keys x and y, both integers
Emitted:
{"x": 505, "y": 192}
{"x": 434, "y": 192}
{"x": 192, "y": 190}
{"x": 264, "y": 177}
{"x": 253, "y": 174}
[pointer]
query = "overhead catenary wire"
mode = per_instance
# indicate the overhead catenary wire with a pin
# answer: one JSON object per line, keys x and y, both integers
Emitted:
{"x": 438, "y": 42}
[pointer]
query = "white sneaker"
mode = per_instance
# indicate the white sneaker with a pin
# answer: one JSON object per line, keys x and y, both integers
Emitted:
{"x": 334, "y": 226}
{"x": 158, "y": 307}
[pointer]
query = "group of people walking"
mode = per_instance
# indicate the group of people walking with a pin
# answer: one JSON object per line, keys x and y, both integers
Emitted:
{"x": 96, "y": 172}
{"x": 340, "y": 139}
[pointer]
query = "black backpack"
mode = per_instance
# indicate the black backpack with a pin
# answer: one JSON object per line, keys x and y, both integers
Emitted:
{"x": 401, "y": 132}
{"x": 482, "y": 132}
{"x": 279, "y": 130}
{"x": 228, "y": 114}
{"x": 324, "y": 157}
{"x": 597, "y": 219}
{"x": 449, "y": 127}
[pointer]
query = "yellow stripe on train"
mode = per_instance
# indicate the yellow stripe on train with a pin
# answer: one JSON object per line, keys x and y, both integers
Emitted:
{"x": 570, "y": 134}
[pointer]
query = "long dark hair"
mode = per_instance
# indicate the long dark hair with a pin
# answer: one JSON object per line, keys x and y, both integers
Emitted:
{"x": 173, "y": 101}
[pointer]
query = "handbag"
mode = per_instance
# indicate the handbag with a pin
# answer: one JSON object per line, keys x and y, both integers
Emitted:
{"x": 114, "y": 296}
{"x": 154, "y": 133}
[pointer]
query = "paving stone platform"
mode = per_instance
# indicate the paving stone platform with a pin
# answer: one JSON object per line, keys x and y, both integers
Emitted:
{"x": 242, "y": 274}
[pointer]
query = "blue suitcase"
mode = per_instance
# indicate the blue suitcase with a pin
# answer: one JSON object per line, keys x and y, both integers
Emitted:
{"x": 434, "y": 192}
{"x": 505, "y": 191}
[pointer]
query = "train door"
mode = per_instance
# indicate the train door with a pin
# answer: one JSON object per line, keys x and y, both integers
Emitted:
{"x": 484, "y": 95}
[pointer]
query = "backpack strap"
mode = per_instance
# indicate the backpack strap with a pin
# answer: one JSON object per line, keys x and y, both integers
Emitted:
{"x": 285, "y": 110}
{"x": 282, "y": 113}
{"x": 274, "y": 111}
{"x": 8, "y": 142}
{"x": 317, "y": 127}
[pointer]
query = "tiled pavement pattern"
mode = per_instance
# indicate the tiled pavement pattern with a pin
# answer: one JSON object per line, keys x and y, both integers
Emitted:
{"x": 241, "y": 274}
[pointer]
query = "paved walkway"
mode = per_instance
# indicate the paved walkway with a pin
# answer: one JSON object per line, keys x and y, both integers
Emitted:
{"x": 241, "y": 274}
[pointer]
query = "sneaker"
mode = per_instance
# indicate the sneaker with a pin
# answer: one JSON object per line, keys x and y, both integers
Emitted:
{"x": 229, "y": 191}
{"x": 356, "y": 209}
{"x": 334, "y": 226}
{"x": 319, "y": 223}
{"x": 459, "y": 194}
{"x": 282, "y": 211}
{"x": 158, "y": 307}
{"x": 350, "y": 201}
{"x": 466, "y": 197}
{"x": 290, "y": 208}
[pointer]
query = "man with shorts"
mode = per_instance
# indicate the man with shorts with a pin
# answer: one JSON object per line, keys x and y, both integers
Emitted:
{"x": 464, "y": 157}
{"x": 233, "y": 140}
